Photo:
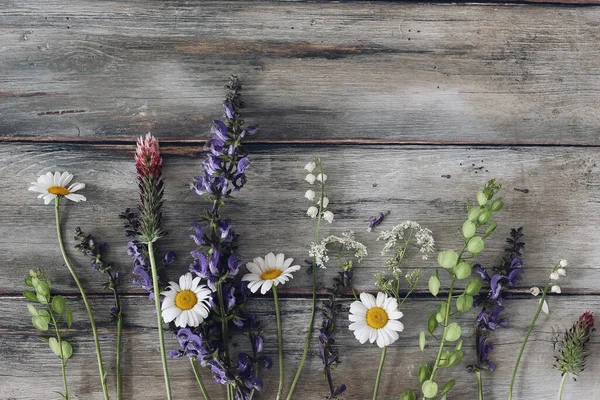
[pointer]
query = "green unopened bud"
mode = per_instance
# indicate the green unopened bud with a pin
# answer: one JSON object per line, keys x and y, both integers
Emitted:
{"x": 484, "y": 217}
{"x": 482, "y": 198}
{"x": 469, "y": 229}
{"x": 475, "y": 245}
{"x": 490, "y": 229}
{"x": 498, "y": 204}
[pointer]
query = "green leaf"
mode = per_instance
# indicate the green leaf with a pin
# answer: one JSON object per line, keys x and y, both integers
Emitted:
{"x": 58, "y": 304}
{"x": 448, "y": 386}
{"x": 455, "y": 358}
{"x": 444, "y": 358}
{"x": 44, "y": 314}
{"x": 469, "y": 229}
{"x": 484, "y": 216}
{"x": 439, "y": 318}
{"x": 474, "y": 213}
{"x": 434, "y": 285}
{"x": 66, "y": 349}
{"x": 42, "y": 299}
{"x": 459, "y": 345}
{"x": 432, "y": 323}
{"x": 422, "y": 341}
{"x": 54, "y": 346}
{"x": 40, "y": 323}
{"x": 498, "y": 204}
{"x": 30, "y": 295}
{"x": 408, "y": 395}
{"x": 69, "y": 317}
{"x": 442, "y": 308}
{"x": 475, "y": 245}
{"x": 464, "y": 302}
{"x": 490, "y": 229}
{"x": 424, "y": 372}
{"x": 452, "y": 332}
{"x": 41, "y": 288}
{"x": 44, "y": 339}
{"x": 482, "y": 198}
{"x": 429, "y": 388}
{"x": 32, "y": 310}
{"x": 448, "y": 258}
{"x": 473, "y": 286}
{"x": 462, "y": 270}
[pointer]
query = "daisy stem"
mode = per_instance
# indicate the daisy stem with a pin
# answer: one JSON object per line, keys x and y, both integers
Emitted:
{"x": 161, "y": 337}
{"x": 537, "y": 314}
{"x": 224, "y": 332}
{"x": 199, "y": 378}
{"x": 378, "y": 379}
{"x": 83, "y": 297}
{"x": 314, "y": 297}
{"x": 63, "y": 363}
{"x": 562, "y": 386}
{"x": 279, "y": 342}
{"x": 479, "y": 385}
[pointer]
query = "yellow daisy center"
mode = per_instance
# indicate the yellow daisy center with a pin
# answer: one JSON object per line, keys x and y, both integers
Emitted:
{"x": 377, "y": 317}
{"x": 58, "y": 190}
{"x": 186, "y": 300}
{"x": 270, "y": 274}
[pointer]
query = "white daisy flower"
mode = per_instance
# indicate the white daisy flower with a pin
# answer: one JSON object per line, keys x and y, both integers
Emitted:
{"x": 268, "y": 272}
{"x": 52, "y": 185}
{"x": 376, "y": 319}
{"x": 186, "y": 302}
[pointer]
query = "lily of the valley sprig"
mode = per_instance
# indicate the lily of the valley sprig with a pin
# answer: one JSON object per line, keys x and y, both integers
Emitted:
{"x": 475, "y": 229}
{"x": 318, "y": 196}
{"x": 54, "y": 313}
{"x": 557, "y": 271}
{"x": 571, "y": 352}
{"x": 266, "y": 274}
{"x": 96, "y": 251}
{"x": 492, "y": 303}
{"x": 54, "y": 187}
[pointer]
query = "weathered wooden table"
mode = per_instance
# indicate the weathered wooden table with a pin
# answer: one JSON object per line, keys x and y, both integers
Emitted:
{"x": 412, "y": 108}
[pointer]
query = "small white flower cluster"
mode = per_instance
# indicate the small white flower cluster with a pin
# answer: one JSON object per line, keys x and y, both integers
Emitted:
{"x": 311, "y": 178}
{"x": 557, "y": 273}
{"x": 423, "y": 237}
{"x": 320, "y": 252}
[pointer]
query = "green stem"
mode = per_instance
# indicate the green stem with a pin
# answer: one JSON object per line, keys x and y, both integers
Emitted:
{"x": 562, "y": 386}
{"x": 537, "y": 314}
{"x": 279, "y": 343}
{"x": 314, "y": 298}
{"x": 224, "y": 332}
{"x": 354, "y": 293}
{"x": 63, "y": 363}
{"x": 378, "y": 379}
{"x": 443, "y": 341}
{"x": 479, "y": 385}
{"x": 199, "y": 379}
{"x": 161, "y": 337}
{"x": 83, "y": 297}
{"x": 119, "y": 335}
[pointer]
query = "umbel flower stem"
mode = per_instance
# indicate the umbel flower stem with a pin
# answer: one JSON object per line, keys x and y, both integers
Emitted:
{"x": 537, "y": 314}
{"x": 378, "y": 379}
{"x": 314, "y": 297}
{"x": 83, "y": 297}
{"x": 562, "y": 386}
{"x": 161, "y": 336}
{"x": 279, "y": 342}
{"x": 199, "y": 378}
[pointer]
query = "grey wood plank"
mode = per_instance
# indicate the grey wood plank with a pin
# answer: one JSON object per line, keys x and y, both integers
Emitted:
{"x": 479, "y": 73}
{"x": 552, "y": 193}
{"x": 23, "y": 356}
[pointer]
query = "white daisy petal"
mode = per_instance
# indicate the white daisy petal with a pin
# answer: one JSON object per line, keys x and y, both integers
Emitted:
{"x": 279, "y": 259}
{"x": 170, "y": 313}
{"x": 381, "y": 298}
{"x": 253, "y": 268}
{"x": 76, "y": 197}
{"x": 76, "y": 186}
{"x": 395, "y": 314}
{"x": 372, "y": 335}
{"x": 395, "y": 325}
{"x": 266, "y": 286}
{"x": 358, "y": 308}
{"x": 253, "y": 286}
{"x": 261, "y": 264}
{"x": 271, "y": 260}
{"x": 48, "y": 198}
{"x": 287, "y": 263}
{"x": 367, "y": 299}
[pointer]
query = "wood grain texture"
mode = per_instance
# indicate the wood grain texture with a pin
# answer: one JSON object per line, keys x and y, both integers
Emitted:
{"x": 23, "y": 355}
{"x": 551, "y": 194}
{"x": 470, "y": 73}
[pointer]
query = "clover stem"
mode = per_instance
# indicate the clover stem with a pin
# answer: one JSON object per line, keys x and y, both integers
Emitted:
{"x": 562, "y": 386}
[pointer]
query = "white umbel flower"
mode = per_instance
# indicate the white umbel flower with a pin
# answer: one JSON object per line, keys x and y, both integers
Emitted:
{"x": 50, "y": 186}
{"x": 268, "y": 272}
{"x": 376, "y": 319}
{"x": 186, "y": 303}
